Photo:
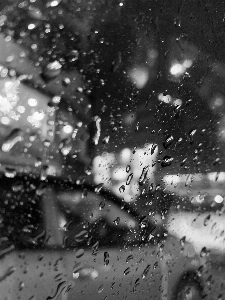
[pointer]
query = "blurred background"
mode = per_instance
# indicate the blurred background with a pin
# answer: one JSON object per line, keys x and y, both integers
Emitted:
{"x": 101, "y": 90}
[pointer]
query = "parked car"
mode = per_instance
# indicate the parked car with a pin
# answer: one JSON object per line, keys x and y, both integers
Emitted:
{"x": 63, "y": 240}
{"x": 196, "y": 217}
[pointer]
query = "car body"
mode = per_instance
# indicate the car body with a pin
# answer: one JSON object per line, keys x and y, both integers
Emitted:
{"x": 63, "y": 240}
{"x": 196, "y": 217}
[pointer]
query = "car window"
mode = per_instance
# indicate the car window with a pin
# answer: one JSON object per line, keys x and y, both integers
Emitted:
{"x": 90, "y": 218}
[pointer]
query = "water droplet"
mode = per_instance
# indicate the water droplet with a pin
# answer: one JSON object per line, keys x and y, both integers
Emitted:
{"x": 102, "y": 205}
{"x": 155, "y": 265}
{"x": 73, "y": 56}
{"x": 144, "y": 222}
{"x": 106, "y": 258}
{"x": 11, "y": 140}
{"x": 106, "y": 139}
{"x": 81, "y": 236}
{"x": 127, "y": 271}
{"x": 101, "y": 288}
{"x": 128, "y": 168}
{"x": 178, "y": 143}
{"x": 116, "y": 221}
{"x": 154, "y": 146}
{"x": 99, "y": 187}
{"x": 17, "y": 187}
{"x": 52, "y": 70}
{"x": 129, "y": 178}
{"x": 169, "y": 140}
{"x": 44, "y": 172}
{"x": 117, "y": 62}
{"x": 177, "y": 21}
{"x": 143, "y": 176}
{"x": 41, "y": 189}
{"x": 191, "y": 136}
{"x": 95, "y": 248}
{"x": 145, "y": 272}
{"x": 8, "y": 272}
{"x": 79, "y": 253}
{"x": 53, "y": 3}
{"x": 62, "y": 288}
{"x": 21, "y": 285}
{"x": 66, "y": 81}
{"x": 199, "y": 271}
{"x": 130, "y": 257}
{"x": 122, "y": 189}
{"x": 203, "y": 252}
{"x": 66, "y": 146}
{"x": 151, "y": 187}
{"x": 35, "y": 13}
{"x": 10, "y": 172}
{"x": 38, "y": 162}
{"x": 167, "y": 161}
{"x": 183, "y": 162}
{"x": 206, "y": 220}
{"x": 182, "y": 241}
{"x": 98, "y": 130}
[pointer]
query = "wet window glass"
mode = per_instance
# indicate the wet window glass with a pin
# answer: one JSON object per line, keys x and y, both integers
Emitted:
{"x": 112, "y": 135}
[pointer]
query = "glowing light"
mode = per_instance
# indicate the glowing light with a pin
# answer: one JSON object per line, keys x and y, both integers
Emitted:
{"x": 5, "y": 120}
{"x": 31, "y": 26}
{"x": 199, "y": 198}
{"x": 68, "y": 129}
{"x": 177, "y": 69}
{"x": 119, "y": 173}
{"x": 165, "y": 99}
{"x": 218, "y": 199}
{"x": 38, "y": 116}
{"x": 177, "y": 102}
{"x": 125, "y": 156}
{"x": 32, "y": 102}
{"x": 20, "y": 109}
{"x": 139, "y": 76}
{"x": 34, "y": 122}
{"x": 54, "y": 3}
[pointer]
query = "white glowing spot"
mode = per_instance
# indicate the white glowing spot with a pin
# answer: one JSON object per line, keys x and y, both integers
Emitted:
{"x": 187, "y": 63}
{"x": 171, "y": 179}
{"x": 98, "y": 130}
{"x": 119, "y": 174}
{"x": 56, "y": 99}
{"x": 32, "y": 102}
{"x": 68, "y": 129}
{"x": 121, "y": 4}
{"x": 5, "y": 120}
{"x": 139, "y": 76}
{"x": 125, "y": 156}
{"x": 54, "y": 3}
{"x": 62, "y": 223}
{"x": 5, "y": 105}
{"x": 34, "y": 122}
{"x": 165, "y": 99}
{"x": 177, "y": 102}
{"x": 218, "y": 199}
{"x": 38, "y": 116}
{"x": 177, "y": 69}
{"x": 131, "y": 223}
{"x": 31, "y": 26}
{"x": 128, "y": 198}
{"x": 20, "y": 109}
{"x": 199, "y": 198}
